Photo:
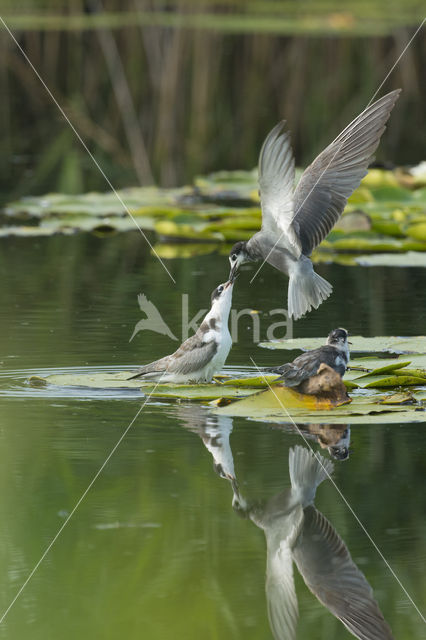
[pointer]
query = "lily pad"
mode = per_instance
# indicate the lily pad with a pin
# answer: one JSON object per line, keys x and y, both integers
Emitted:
{"x": 395, "y": 381}
{"x": 267, "y": 408}
{"x": 409, "y": 259}
{"x": 385, "y": 214}
{"x": 280, "y": 397}
{"x": 230, "y": 388}
{"x": 169, "y": 251}
{"x": 404, "y": 397}
{"x": 386, "y": 369}
{"x": 391, "y": 344}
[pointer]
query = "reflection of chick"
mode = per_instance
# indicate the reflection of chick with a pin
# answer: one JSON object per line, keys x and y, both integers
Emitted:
{"x": 296, "y": 531}
{"x": 334, "y": 437}
{"x": 215, "y": 432}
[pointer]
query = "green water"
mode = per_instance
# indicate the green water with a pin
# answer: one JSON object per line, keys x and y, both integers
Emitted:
{"x": 155, "y": 549}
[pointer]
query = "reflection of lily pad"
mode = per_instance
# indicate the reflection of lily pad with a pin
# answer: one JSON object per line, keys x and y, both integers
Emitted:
{"x": 392, "y": 344}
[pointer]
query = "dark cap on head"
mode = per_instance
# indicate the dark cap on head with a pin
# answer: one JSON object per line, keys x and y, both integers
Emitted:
{"x": 238, "y": 248}
{"x": 337, "y": 334}
{"x": 339, "y": 453}
{"x": 217, "y": 292}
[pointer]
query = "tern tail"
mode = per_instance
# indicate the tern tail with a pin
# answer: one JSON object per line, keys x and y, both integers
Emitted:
{"x": 306, "y": 289}
{"x": 307, "y": 471}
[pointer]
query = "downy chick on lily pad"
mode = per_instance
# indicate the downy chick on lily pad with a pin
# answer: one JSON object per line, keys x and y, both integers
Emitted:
{"x": 335, "y": 354}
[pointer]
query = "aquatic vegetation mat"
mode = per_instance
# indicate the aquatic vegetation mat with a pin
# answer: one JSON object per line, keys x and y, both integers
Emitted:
{"x": 385, "y": 215}
{"x": 285, "y": 18}
{"x": 225, "y": 387}
{"x": 272, "y": 405}
{"x": 390, "y": 344}
{"x": 391, "y": 389}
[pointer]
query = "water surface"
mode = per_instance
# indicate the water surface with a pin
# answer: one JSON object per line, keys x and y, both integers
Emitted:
{"x": 155, "y": 549}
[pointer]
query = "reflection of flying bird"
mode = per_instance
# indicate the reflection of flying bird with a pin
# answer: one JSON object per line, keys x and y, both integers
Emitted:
{"x": 295, "y": 221}
{"x": 296, "y": 531}
{"x": 153, "y": 320}
{"x": 203, "y": 355}
{"x": 335, "y": 354}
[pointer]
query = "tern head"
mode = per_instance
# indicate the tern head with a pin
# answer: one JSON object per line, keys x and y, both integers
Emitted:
{"x": 221, "y": 297}
{"x": 339, "y": 452}
{"x": 338, "y": 338}
{"x": 238, "y": 255}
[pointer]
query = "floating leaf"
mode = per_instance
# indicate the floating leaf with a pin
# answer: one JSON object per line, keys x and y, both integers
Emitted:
{"x": 282, "y": 398}
{"x": 386, "y": 369}
{"x": 392, "y": 344}
{"x": 228, "y": 389}
{"x": 396, "y": 381}
{"x": 350, "y": 384}
{"x": 390, "y": 227}
{"x": 353, "y": 221}
{"x": 256, "y": 381}
{"x": 404, "y": 397}
{"x": 172, "y": 229}
{"x": 419, "y": 373}
{"x": 417, "y": 231}
{"x": 184, "y": 249}
{"x": 224, "y": 207}
{"x": 409, "y": 259}
{"x": 266, "y": 408}
{"x": 377, "y": 178}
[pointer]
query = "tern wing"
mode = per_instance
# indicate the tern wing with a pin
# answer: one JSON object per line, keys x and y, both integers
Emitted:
{"x": 325, "y": 186}
{"x": 192, "y": 355}
{"x": 276, "y": 183}
{"x": 329, "y": 572}
{"x": 281, "y": 596}
{"x": 303, "y": 367}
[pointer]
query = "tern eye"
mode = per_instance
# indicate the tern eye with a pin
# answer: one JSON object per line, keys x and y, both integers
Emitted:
{"x": 220, "y": 289}
{"x": 234, "y": 257}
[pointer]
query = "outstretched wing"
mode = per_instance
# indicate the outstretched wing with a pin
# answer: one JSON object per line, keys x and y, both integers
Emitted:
{"x": 325, "y": 186}
{"x": 283, "y": 611}
{"x": 330, "y": 573}
{"x": 276, "y": 183}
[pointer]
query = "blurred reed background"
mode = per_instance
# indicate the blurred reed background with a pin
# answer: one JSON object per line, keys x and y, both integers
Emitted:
{"x": 162, "y": 91}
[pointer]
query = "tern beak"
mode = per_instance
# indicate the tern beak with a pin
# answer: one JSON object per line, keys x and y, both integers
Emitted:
{"x": 233, "y": 273}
